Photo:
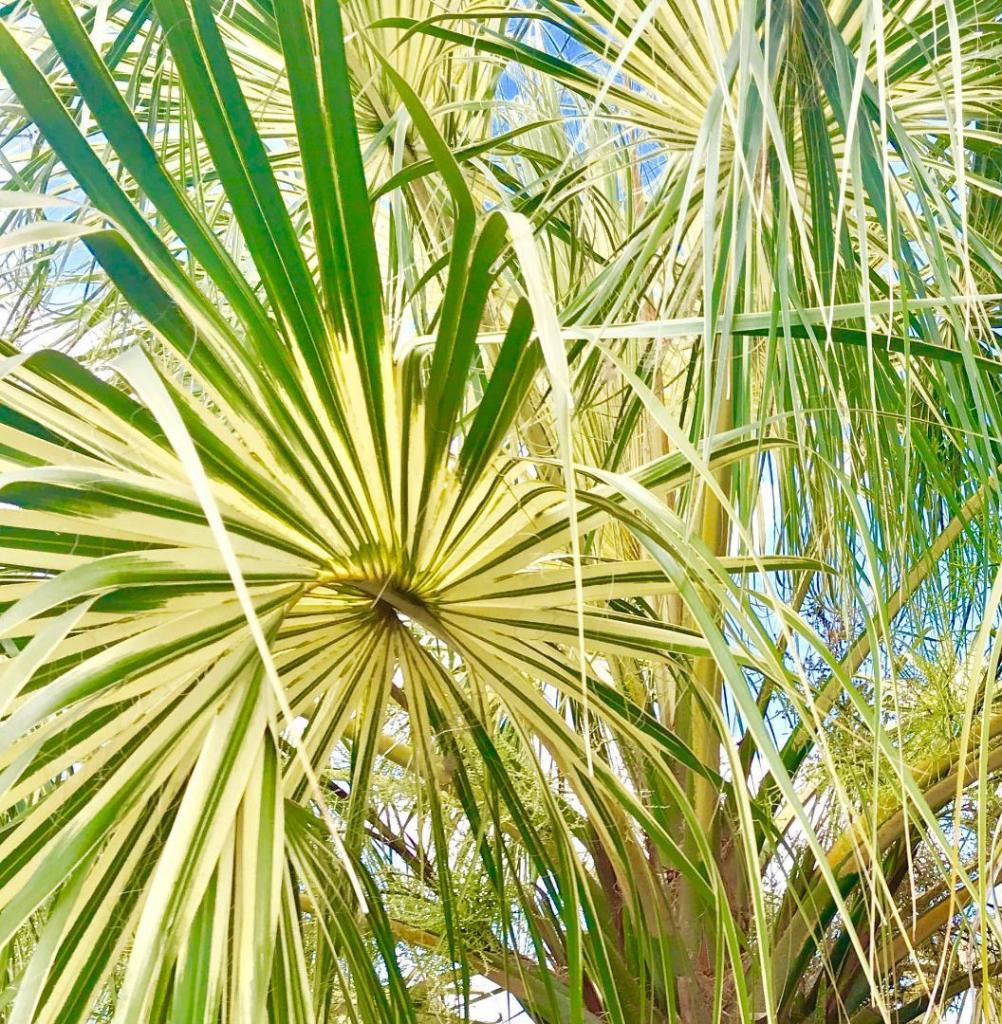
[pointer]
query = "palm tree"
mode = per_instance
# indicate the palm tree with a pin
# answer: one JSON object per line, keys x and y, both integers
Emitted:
{"x": 499, "y": 498}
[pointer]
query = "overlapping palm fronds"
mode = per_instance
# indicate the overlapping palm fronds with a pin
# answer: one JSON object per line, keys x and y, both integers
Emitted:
{"x": 527, "y": 520}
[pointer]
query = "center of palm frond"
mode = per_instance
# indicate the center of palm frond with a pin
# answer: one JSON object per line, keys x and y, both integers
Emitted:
{"x": 386, "y": 598}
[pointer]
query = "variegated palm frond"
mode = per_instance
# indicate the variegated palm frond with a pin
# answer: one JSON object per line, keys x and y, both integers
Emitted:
{"x": 237, "y": 564}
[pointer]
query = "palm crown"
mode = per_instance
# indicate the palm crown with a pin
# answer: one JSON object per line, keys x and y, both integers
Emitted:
{"x": 392, "y": 613}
